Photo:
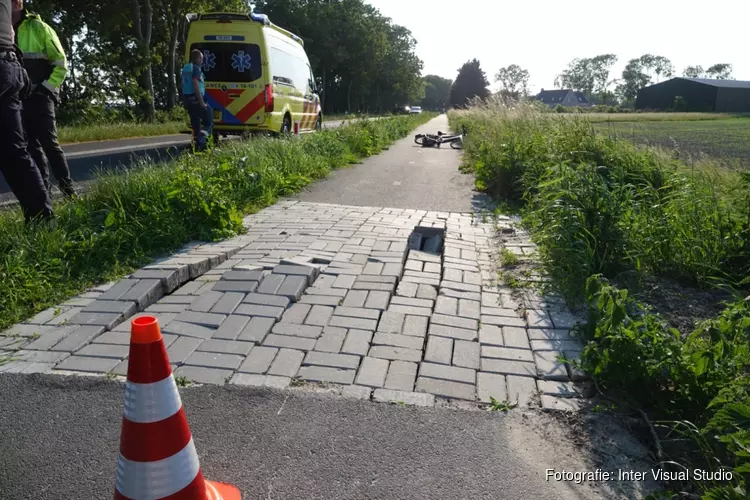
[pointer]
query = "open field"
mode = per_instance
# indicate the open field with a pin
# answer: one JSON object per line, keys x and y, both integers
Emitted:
{"x": 656, "y": 117}
{"x": 726, "y": 140}
{"x": 657, "y": 252}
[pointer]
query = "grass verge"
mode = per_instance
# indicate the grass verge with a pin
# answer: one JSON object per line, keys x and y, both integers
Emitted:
{"x": 608, "y": 217}
{"x": 126, "y": 220}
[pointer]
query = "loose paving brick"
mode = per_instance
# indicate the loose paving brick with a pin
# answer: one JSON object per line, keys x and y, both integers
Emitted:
{"x": 507, "y": 353}
{"x": 188, "y": 330}
{"x": 356, "y": 392}
{"x": 287, "y": 363}
{"x": 231, "y": 328}
{"x": 356, "y": 312}
{"x": 236, "y": 286}
{"x": 412, "y": 302}
{"x": 491, "y": 385}
{"x": 410, "y": 310}
{"x": 368, "y": 285}
{"x": 50, "y": 338}
{"x": 395, "y": 353}
{"x": 104, "y": 351}
{"x": 262, "y": 311}
{"x": 559, "y": 389}
{"x": 491, "y": 335}
{"x": 516, "y": 337}
{"x": 111, "y": 306}
{"x": 319, "y": 315}
{"x": 209, "y": 320}
{"x": 332, "y": 340}
{"x": 203, "y": 375}
{"x": 182, "y": 348}
{"x": 409, "y": 398}
{"x": 453, "y": 321}
{"x": 327, "y": 374}
{"x": 332, "y": 360}
{"x": 226, "y": 347}
{"x": 458, "y": 294}
{"x": 356, "y": 323}
{"x": 468, "y": 309}
{"x": 439, "y": 350}
{"x": 185, "y": 300}
{"x": 466, "y": 354}
{"x": 452, "y": 332}
{"x": 446, "y": 305}
{"x": 447, "y": 372}
{"x": 508, "y": 367}
{"x": 170, "y": 278}
{"x": 307, "y": 331}
{"x": 427, "y": 292}
{"x": 415, "y": 326}
{"x": 406, "y": 289}
{"x": 355, "y": 298}
{"x": 214, "y": 360}
{"x": 292, "y": 287}
{"x": 290, "y": 342}
{"x": 228, "y": 303}
{"x": 551, "y": 403}
{"x": 357, "y": 342}
{"x": 118, "y": 289}
{"x": 144, "y": 293}
{"x": 309, "y": 273}
{"x": 396, "y": 340}
{"x": 504, "y": 321}
{"x": 522, "y": 390}
{"x": 256, "y": 275}
{"x": 77, "y": 338}
{"x": 323, "y": 300}
{"x": 461, "y": 287}
{"x": 446, "y": 388}
{"x": 167, "y": 308}
{"x": 401, "y": 376}
{"x": 372, "y": 372}
{"x": 87, "y": 364}
{"x": 271, "y": 284}
{"x": 550, "y": 334}
{"x": 555, "y": 345}
{"x": 205, "y": 301}
{"x": 255, "y": 380}
{"x": 377, "y": 300}
{"x": 340, "y": 293}
{"x": 266, "y": 300}
{"x": 39, "y": 356}
{"x": 259, "y": 360}
{"x": 391, "y": 322}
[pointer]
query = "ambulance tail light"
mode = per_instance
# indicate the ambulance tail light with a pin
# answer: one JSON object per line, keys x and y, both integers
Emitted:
{"x": 268, "y": 98}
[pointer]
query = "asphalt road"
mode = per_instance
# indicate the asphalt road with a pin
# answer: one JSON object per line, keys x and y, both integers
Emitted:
{"x": 60, "y": 440}
{"x": 404, "y": 176}
{"x": 86, "y": 159}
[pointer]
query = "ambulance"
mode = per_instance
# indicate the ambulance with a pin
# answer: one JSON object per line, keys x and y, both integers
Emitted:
{"x": 257, "y": 75}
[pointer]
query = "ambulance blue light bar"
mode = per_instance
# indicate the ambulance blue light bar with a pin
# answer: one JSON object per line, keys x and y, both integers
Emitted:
{"x": 261, "y": 18}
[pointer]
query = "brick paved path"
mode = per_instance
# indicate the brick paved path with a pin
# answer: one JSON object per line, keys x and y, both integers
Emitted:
{"x": 326, "y": 294}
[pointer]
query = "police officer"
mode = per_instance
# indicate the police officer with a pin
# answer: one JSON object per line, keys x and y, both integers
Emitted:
{"x": 46, "y": 64}
{"x": 16, "y": 164}
{"x": 194, "y": 95}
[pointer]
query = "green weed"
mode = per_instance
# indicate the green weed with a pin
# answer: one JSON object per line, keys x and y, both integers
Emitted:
{"x": 127, "y": 220}
{"x": 504, "y": 406}
{"x": 508, "y": 258}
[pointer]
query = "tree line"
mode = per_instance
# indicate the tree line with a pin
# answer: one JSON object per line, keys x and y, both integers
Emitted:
{"x": 591, "y": 76}
{"x": 128, "y": 54}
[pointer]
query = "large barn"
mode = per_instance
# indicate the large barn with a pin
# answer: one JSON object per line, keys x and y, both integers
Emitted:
{"x": 698, "y": 94}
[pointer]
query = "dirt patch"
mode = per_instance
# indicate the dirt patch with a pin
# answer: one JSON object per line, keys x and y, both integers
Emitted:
{"x": 682, "y": 306}
{"x": 584, "y": 443}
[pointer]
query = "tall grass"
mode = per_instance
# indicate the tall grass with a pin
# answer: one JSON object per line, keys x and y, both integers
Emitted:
{"x": 604, "y": 210}
{"x": 126, "y": 220}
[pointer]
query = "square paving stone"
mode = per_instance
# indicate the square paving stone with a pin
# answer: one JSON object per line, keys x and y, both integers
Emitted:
{"x": 401, "y": 376}
{"x": 355, "y": 298}
{"x": 466, "y": 354}
{"x": 118, "y": 289}
{"x": 492, "y": 385}
{"x": 357, "y": 342}
{"x": 415, "y": 326}
{"x": 182, "y": 348}
{"x": 292, "y": 288}
{"x": 287, "y": 363}
{"x": 332, "y": 340}
{"x": 372, "y": 372}
{"x": 270, "y": 284}
{"x": 391, "y": 322}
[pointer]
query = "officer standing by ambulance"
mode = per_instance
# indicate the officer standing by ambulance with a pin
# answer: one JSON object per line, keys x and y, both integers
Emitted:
{"x": 16, "y": 164}
{"x": 47, "y": 66}
{"x": 194, "y": 95}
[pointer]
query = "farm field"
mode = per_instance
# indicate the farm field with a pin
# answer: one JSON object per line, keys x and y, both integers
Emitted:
{"x": 726, "y": 140}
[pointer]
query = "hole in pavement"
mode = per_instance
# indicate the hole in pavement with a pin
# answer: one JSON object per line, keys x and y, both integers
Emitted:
{"x": 318, "y": 260}
{"x": 427, "y": 239}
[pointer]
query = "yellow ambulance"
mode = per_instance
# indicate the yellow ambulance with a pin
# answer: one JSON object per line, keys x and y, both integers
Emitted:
{"x": 257, "y": 75}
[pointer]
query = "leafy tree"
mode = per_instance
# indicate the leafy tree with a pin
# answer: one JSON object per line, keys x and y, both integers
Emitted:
{"x": 694, "y": 72}
{"x": 471, "y": 82}
{"x": 514, "y": 79}
{"x": 437, "y": 92}
{"x": 588, "y": 75}
{"x": 639, "y": 73}
{"x": 720, "y": 71}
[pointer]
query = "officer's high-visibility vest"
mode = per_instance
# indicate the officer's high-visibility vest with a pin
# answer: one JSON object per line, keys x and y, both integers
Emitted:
{"x": 43, "y": 55}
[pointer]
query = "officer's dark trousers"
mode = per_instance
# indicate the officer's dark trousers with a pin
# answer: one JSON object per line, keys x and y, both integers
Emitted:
{"x": 16, "y": 164}
{"x": 199, "y": 117}
{"x": 39, "y": 121}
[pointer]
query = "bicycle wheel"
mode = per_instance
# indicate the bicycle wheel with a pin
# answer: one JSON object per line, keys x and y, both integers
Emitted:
{"x": 457, "y": 144}
{"x": 419, "y": 138}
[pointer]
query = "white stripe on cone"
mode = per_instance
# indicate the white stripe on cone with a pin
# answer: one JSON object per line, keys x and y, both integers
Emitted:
{"x": 153, "y": 480}
{"x": 147, "y": 403}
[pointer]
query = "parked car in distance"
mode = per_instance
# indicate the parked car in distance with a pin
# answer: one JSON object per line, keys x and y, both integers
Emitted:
{"x": 416, "y": 109}
{"x": 401, "y": 110}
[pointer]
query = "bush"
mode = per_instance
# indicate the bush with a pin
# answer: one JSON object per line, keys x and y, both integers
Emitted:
{"x": 126, "y": 220}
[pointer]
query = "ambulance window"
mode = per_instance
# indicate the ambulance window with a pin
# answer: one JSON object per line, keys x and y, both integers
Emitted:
{"x": 230, "y": 62}
{"x": 289, "y": 69}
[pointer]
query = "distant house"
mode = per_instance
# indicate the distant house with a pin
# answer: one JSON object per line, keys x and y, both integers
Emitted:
{"x": 698, "y": 94}
{"x": 564, "y": 97}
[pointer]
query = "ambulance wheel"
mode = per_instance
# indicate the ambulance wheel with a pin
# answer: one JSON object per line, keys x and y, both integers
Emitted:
{"x": 319, "y": 123}
{"x": 286, "y": 126}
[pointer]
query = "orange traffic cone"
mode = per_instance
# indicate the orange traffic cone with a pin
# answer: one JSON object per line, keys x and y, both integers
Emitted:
{"x": 157, "y": 454}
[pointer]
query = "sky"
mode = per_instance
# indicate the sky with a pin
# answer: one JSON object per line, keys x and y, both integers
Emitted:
{"x": 544, "y": 36}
